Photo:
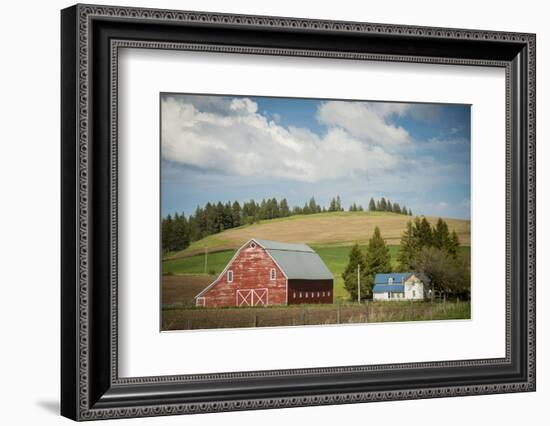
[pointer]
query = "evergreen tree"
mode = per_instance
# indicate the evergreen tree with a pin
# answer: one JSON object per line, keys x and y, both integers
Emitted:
{"x": 180, "y": 233}
{"x": 410, "y": 212}
{"x": 339, "y": 207}
{"x": 408, "y": 248}
{"x": 372, "y": 205}
{"x": 383, "y": 205}
{"x": 440, "y": 237}
{"x": 378, "y": 206}
{"x": 283, "y": 206}
{"x": 360, "y": 208}
{"x": 389, "y": 206}
{"x": 423, "y": 232}
{"x": 378, "y": 259}
{"x": 167, "y": 231}
{"x": 356, "y": 260}
{"x": 236, "y": 214}
{"x": 332, "y": 206}
{"x": 453, "y": 244}
{"x": 312, "y": 205}
{"x": 404, "y": 210}
{"x": 396, "y": 208}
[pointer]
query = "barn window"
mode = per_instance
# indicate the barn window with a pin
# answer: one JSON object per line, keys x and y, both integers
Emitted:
{"x": 229, "y": 276}
{"x": 307, "y": 295}
{"x": 300, "y": 295}
{"x": 318, "y": 294}
{"x": 324, "y": 293}
{"x": 253, "y": 245}
{"x": 294, "y": 296}
{"x": 328, "y": 293}
{"x": 272, "y": 274}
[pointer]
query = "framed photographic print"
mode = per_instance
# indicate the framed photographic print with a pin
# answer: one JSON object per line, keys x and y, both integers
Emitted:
{"x": 263, "y": 212}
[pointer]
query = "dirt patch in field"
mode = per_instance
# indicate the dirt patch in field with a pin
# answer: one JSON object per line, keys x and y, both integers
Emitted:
{"x": 181, "y": 289}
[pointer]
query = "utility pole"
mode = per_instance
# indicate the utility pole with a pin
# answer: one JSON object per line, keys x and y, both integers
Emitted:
{"x": 205, "y": 259}
{"x": 358, "y": 283}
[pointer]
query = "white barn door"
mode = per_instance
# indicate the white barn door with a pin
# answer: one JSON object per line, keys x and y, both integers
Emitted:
{"x": 252, "y": 297}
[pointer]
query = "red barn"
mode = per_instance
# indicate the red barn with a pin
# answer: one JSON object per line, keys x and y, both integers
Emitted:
{"x": 270, "y": 273}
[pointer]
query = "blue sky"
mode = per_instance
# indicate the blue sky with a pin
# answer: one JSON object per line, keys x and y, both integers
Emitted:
{"x": 220, "y": 148}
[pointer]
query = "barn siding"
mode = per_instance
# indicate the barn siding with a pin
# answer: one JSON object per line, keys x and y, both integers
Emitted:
{"x": 314, "y": 290}
{"x": 251, "y": 270}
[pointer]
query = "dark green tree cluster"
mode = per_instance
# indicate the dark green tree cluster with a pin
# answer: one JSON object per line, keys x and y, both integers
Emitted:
{"x": 383, "y": 205}
{"x": 435, "y": 251}
{"x": 217, "y": 217}
{"x": 356, "y": 208}
{"x": 375, "y": 260}
{"x": 175, "y": 233}
{"x": 420, "y": 234}
{"x": 336, "y": 205}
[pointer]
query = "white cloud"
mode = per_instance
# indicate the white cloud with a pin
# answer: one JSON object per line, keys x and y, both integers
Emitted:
{"x": 229, "y": 136}
{"x": 367, "y": 121}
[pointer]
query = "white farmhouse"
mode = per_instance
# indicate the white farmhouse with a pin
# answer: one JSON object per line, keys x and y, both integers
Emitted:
{"x": 401, "y": 286}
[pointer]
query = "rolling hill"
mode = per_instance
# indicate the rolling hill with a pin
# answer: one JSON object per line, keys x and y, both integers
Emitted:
{"x": 321, "y": 229}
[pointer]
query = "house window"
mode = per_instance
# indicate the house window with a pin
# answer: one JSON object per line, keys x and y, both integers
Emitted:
{"x": 272, "y": 274}
{"x": 390, "y": 280}
{"x": 229, "y": 276}
{"x": 414, "y": 293}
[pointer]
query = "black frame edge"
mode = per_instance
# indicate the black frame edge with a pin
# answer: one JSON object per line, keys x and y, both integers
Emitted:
{"x": 69, "y": 188}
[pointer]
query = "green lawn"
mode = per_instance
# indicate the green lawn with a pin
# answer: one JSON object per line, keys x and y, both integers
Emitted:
{"x": 335, "y": 257}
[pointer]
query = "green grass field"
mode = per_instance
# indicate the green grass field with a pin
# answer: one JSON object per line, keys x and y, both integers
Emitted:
{"x": 334, "y": 256}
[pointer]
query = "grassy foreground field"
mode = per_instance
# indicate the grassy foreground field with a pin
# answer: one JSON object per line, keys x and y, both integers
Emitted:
{"x": 321, "y": 229}
{"x": 196, "y": 318}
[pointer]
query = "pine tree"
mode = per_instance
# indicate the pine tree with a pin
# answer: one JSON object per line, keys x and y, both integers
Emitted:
{"x": 283, "y": 206}
{"x": 339, "y": 207}
{"x": 453, "y": 244}
{"x": 423, "y": 232}
{"x": 378, "y": 259}
{"x": 372, "y": 205}
{"x": 383, "y": 205}
{"x": 410, "y": 212}
{"x": 396, "y": 208}
{"x": 404, "y": 210}
{"x": 180, "y": 233}
{"x": 236, "y": 213}
{"x": 389, "y": 206}
{"x": 332, "y": 206}
{"x": 356, "y": 260}
{"x": 441, "y": 235}
{"x": 167, "y": 234}
{"x": 408, "y": 248}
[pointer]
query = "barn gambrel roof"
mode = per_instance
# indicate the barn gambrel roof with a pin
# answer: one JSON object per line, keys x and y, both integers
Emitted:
{"x": 297, "y": 261}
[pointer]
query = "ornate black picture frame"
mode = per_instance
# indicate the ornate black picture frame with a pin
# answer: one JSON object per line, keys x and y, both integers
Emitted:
{"x": 91, "y": 36}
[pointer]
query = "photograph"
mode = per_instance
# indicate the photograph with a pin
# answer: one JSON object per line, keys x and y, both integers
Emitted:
{"x": 279, "y": 211}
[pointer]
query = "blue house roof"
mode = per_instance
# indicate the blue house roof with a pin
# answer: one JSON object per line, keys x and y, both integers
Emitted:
{"x": 398, "y": 278}
{"x": 384, "y": 288}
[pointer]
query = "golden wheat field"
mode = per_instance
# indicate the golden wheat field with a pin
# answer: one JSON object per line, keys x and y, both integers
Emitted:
{"x": 341, "y": 228}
